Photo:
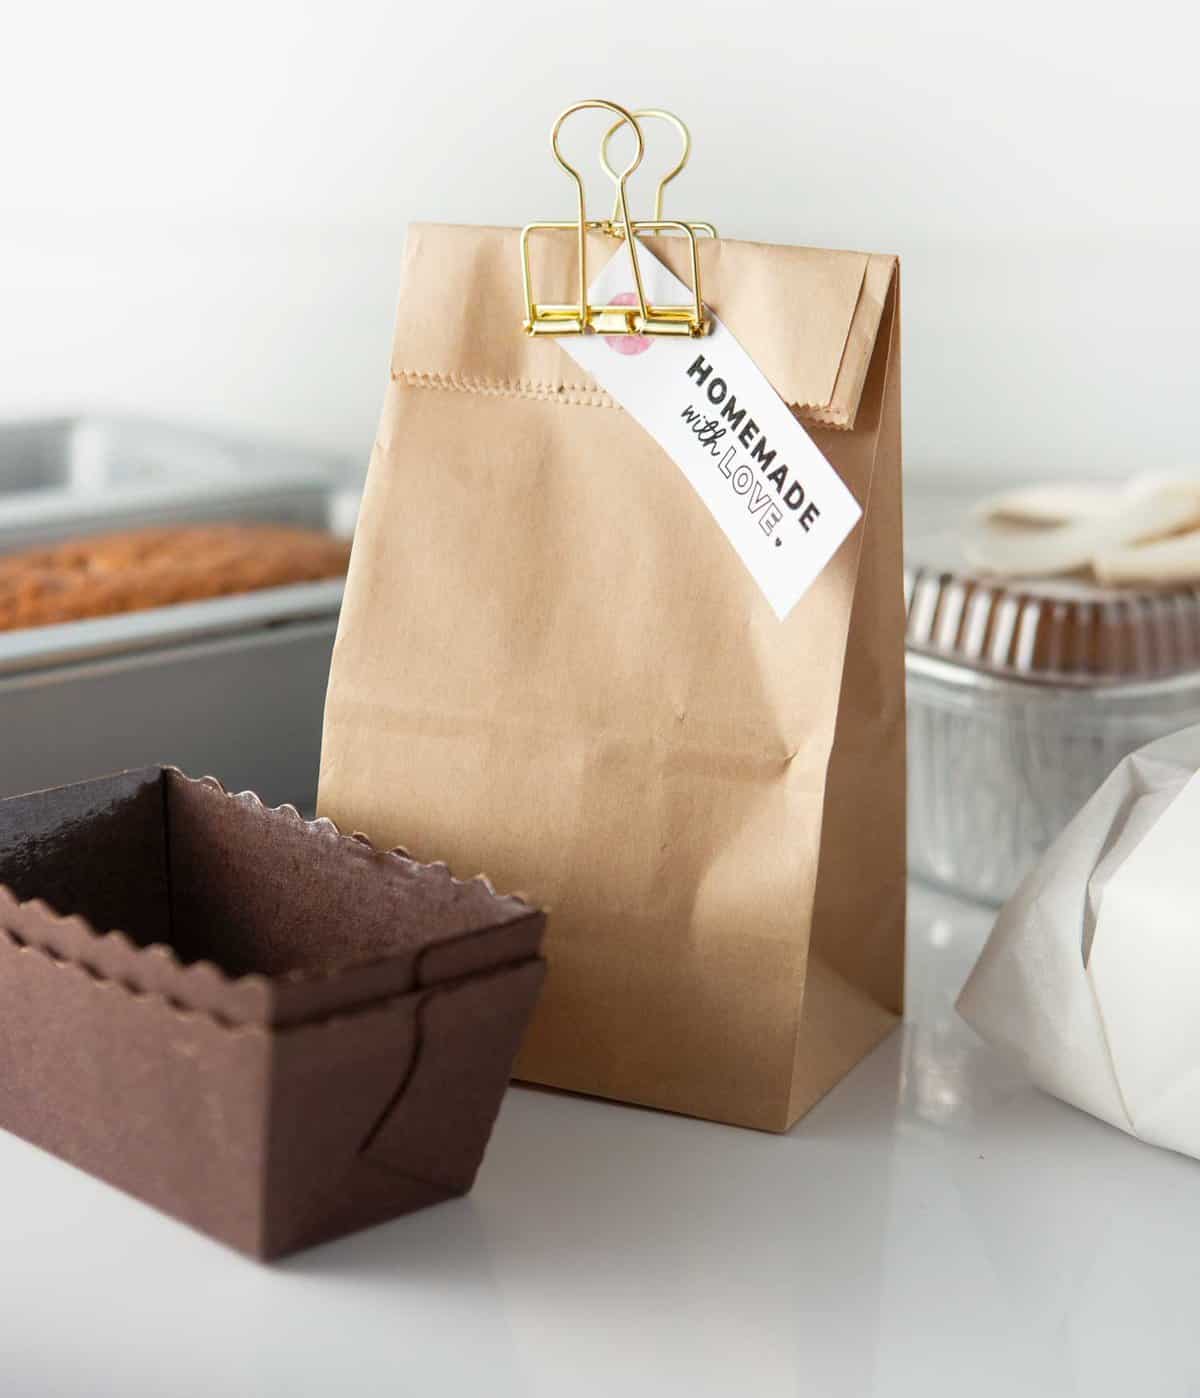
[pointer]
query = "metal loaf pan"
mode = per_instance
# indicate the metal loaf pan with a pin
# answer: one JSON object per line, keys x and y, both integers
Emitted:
{"x": 233, "y": 685}
{"x": 1022, "y": 697}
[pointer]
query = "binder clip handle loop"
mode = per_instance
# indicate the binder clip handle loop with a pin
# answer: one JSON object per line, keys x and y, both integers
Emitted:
{"x": 618, "y": 178}
{"x": 623, "y": 118}
{"x": 685, "y": 141}
{"x": 685, "y": 137}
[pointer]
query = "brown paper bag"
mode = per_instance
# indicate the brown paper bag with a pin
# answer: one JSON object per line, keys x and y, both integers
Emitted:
{"x": 552, "y": 666}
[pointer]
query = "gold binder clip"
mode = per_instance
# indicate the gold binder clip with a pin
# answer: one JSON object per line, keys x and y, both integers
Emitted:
{"x": 581, "y": 318}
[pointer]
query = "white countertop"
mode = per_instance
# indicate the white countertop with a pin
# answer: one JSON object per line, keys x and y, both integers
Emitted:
{"x": 935, "y": 1226}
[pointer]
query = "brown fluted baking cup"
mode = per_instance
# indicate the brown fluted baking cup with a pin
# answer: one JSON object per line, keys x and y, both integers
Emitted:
{"x": 260, "y": 1025}
{"x": 1059, "y": 630}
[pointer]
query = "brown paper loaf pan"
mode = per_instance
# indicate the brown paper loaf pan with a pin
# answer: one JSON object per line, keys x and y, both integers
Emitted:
{"x": 292, "y": 1035}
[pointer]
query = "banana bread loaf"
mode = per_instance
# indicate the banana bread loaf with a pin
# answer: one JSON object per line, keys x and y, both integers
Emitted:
{"x": 103, "y": 574}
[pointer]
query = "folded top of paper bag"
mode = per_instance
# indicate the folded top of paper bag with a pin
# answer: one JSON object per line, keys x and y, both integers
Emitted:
{"x": 809, "y": 317}
{"x": 1092, "y": 972}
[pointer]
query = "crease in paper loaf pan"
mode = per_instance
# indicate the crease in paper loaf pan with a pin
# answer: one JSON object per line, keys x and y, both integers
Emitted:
{"x": 292, "y": 1034}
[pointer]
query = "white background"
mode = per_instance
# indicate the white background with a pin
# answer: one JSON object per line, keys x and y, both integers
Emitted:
{"x": 202, "y": 208}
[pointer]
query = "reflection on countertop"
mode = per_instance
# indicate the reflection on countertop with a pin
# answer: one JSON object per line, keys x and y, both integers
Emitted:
{"x": 934, "y": 1226}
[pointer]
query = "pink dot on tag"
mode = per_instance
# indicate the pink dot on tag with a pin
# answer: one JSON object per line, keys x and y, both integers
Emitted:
{"x": 627, "y": 344}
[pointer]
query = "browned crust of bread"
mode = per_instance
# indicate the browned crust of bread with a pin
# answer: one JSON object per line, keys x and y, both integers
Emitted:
{"x": 103, "y": 574}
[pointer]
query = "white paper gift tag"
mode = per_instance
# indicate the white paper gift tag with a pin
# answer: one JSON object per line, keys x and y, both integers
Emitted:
{"x": 776, "y": 498}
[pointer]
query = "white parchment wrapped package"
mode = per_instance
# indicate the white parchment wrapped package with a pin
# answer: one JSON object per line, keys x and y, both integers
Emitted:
{"x": 1092, "y": 972}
